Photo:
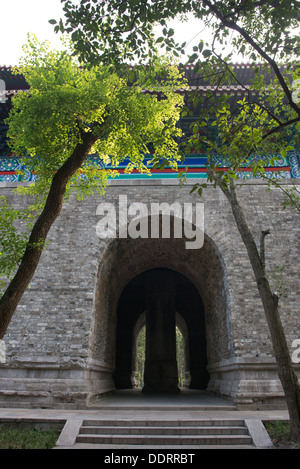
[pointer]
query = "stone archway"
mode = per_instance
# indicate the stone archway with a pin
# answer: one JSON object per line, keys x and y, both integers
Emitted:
{"x": 125, "y": 259}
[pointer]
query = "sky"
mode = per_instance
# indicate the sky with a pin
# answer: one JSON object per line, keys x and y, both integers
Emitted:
{"x": 19, "y": 17}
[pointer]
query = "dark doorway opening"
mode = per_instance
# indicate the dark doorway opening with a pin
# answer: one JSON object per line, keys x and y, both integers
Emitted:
{"x": 139, "y": 357}
{"x": 186, "y": 304}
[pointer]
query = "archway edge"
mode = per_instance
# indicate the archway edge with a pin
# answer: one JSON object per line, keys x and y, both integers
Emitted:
{"x": 164, "y": 258}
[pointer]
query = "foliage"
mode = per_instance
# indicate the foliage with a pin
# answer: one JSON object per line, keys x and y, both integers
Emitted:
{"x": 65, "y": 100}
{"x": 264, "y": 32}
{"x": 65, "y": 104}
{"x": 15, "y": 225}
{"x": 279, "y": 432}
{"x": 26, "y": 438}
{"x": 251, "y": 134}
{"x": 116, "y": 31}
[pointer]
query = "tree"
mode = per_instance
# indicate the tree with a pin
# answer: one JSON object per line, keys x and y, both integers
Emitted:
{"x": 256, "y": 128}
{"x": 286, "y": 373}
{"x": 264, "y": 31}
{"x": 70, "y": 113}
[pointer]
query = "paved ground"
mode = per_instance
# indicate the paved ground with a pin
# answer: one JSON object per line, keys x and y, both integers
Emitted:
{"x": 133, "y": 405}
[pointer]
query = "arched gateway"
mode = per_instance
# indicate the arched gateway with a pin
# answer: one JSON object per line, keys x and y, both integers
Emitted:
{"x": 72, "y": 337}
{"x": 153, "y": 280}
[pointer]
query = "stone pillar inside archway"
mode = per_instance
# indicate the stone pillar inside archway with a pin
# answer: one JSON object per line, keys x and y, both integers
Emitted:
{"x": 160, "y": 365}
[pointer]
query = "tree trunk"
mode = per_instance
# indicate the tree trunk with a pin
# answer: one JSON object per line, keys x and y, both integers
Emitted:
{"x": 52, "y": 209}
{"x": 286, "y": 373}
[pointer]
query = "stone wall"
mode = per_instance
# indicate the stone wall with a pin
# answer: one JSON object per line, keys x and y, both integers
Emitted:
{"x": 61, "y": 342}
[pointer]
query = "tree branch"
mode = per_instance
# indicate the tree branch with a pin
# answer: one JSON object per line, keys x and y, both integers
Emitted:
{"x": 286, "y": 193}
{"x": 262, "y": 53}
{"x": 279, "y": 127}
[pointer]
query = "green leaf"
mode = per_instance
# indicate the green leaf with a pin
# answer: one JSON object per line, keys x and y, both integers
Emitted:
{"x": 193, "y": 57}
{"x": 207, "y": 53}
{"x": 194, "y": 188}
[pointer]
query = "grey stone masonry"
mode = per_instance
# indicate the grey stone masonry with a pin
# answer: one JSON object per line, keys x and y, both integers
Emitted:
{"x": 61, "y": 343}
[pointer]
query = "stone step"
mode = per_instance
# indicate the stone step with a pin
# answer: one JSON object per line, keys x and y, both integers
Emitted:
{"x": 162, "y": 407}
{"x": 165, "y": 439}
{"x": 163, "y": 448}
{"x": 168, "y": 423}
{"x": 159, "y": 433}
{"x": 118, "y": 430}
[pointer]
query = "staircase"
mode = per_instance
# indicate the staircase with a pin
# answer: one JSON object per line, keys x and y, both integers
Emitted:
{"x": 122, "y": 433}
